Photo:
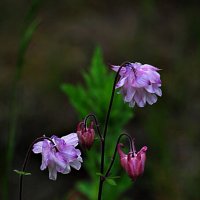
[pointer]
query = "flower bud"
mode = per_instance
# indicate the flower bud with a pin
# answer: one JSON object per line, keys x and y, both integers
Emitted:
{"x": 85, "y": 135}
{"x": 133, "y": 163}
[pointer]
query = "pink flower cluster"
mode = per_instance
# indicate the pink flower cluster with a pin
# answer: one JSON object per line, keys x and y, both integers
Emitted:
{"x": 60, "y": 156}
{"x": 139, "y": 83}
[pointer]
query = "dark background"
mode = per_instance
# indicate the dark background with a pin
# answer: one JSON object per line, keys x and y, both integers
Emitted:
{"x": 165, "y": 34}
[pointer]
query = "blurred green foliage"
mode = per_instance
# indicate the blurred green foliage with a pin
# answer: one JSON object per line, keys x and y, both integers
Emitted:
{"x": 94, "y": 97}
{"x": 30, "y": 26}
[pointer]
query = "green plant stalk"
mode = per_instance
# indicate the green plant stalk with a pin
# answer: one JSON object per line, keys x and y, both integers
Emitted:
{"x": 30, "y": 27}
{"x": 103, "y": 142}
{"x": 26, "y": 160}
{"x": 94, "y": 97}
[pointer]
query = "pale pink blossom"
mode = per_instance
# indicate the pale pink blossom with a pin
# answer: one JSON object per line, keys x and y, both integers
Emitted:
{"x": 139, "y": 83}
{"x": 60, "y": 156}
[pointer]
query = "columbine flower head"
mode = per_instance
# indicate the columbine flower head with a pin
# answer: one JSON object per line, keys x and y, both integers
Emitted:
{"x": 86, "y": 135}
{"x": 59, "y": 155}
{"x": 139, "y": 83}
{"x": 133, "y": 163}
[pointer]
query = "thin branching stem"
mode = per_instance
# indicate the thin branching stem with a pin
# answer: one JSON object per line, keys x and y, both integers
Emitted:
{"x": 96, "y": 124}
{"x": 26, "y": 160}
{"x": 115, "y": 151}
{"x": 101, "y": 180}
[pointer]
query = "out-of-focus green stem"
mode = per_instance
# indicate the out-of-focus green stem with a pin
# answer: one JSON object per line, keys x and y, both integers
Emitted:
{"x": 29, "y": 28}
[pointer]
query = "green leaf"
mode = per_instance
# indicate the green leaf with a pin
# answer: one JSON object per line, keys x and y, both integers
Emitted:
{"x": 111, "y": 181}
{"x": 22, "y": 173}
{"x": 88, "y": 189}
{"x": 99, "y": 174}
{"x": 114, "y": 177}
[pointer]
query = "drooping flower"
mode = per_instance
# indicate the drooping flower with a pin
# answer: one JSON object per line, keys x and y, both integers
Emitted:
{"x": 139, "y": 83}
{"x": 86, "y": 135}
{"x": 133, "y": 163}
{"x": 60, "y": 156}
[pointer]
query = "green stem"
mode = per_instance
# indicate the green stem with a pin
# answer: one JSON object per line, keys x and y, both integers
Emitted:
{"x": 30, "y": 27}
{"x": 103, "y": 141}
{"x": 26, "y": 160}
{"x": 132, "y": 148}
{"x": 96, "y": 123}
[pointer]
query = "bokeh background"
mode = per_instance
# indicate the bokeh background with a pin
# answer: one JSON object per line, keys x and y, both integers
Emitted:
{"x": 165, "y": 34}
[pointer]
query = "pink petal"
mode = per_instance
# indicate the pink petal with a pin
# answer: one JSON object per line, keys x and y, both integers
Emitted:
{"x": 37, "y": 147}
{"x": 123, "y": 156}
{"x": 115, "y": 67}
{"x": 151, "y": 98}
{"x": 75, "y": 164}
{"x": 147, "y": 66}
{"x": 158, "y": 91}
{"x": 140, "y": 98}
{"x": 71, "y": 139}
{"x": 67, "y": 169}
{"x": 130, "y": 94}
{"x": 121, "y": 82}
{"x": 52, "y": 172}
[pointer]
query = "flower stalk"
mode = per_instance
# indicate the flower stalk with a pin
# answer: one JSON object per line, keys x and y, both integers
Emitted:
{"x": 103, "y": 141}
{"x": 26, "y": 160}
{"x": 115, "y": 151}
{"x": 96, "y": 124}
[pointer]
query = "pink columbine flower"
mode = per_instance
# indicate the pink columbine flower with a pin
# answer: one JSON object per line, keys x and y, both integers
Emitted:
{"x": 86, "y": 135}
{"x": 60, "y": 156}
{"x": 133, "y": 163}
{"x": 139, "y": 83}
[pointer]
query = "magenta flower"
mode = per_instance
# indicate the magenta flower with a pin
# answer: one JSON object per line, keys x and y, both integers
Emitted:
{"x": 60, "y": 156}
{"x": 139, "y": 83}
{"x": 85, "y": 135}
{"x": 133, "y": 163}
